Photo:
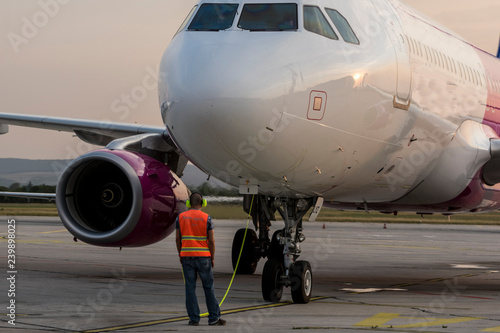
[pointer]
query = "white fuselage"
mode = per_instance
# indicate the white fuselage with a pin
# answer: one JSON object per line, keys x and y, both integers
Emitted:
{"x": 299, "y": 114}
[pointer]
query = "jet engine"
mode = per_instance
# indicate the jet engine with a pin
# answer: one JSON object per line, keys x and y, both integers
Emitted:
{"x": 118, "y": 198}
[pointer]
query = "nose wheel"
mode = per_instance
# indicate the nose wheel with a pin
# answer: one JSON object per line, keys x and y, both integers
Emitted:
{"x": 272, "y": 286}
{"x": 243, "y": 257}
{"x": 301, "y": 282}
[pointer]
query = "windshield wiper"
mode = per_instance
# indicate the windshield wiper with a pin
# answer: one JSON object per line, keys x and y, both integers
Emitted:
{"x": 204, "y": 29}
{"x": 266, "y": 30}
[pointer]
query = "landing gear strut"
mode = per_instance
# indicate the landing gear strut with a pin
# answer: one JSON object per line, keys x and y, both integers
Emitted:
{"x": 282, "y": 268}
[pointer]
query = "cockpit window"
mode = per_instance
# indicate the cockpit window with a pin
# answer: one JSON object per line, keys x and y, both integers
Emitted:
{"x": 186, "y": 21}
{"x": 316, "y": 22}
{"x": 343, "y": 26}
{"x": 269, "y": 17}
{"x": 214, "y": 17}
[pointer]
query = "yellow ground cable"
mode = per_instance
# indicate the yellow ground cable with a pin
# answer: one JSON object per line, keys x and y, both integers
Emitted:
{"x": 237, "y": 262}
{"x": 239, "y": 256}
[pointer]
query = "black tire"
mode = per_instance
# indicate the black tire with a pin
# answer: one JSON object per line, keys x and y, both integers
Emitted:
{"x": 275, "y": 250}
{"x": 302, "y": 280}
{"x": 248, "y": 261}
{"x": 272, "y": 289}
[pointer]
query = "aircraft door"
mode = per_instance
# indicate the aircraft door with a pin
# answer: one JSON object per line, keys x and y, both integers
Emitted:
{"x": 391, "y": 23}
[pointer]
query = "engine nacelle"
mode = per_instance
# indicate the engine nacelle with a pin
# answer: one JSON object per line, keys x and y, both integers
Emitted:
{"x": 118, "y": 198}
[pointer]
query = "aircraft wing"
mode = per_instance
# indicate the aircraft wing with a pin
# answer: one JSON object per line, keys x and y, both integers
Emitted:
{"x": 93, "y": 132}
{"x": 44, "y": 196}
{"x": 149, "y": 140}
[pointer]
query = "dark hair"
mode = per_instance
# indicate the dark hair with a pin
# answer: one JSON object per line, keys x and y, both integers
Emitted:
{"x": 196, "y": 199}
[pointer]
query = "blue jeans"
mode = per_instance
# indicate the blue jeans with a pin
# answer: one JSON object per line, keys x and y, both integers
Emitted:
{"x": 192, "y": 266}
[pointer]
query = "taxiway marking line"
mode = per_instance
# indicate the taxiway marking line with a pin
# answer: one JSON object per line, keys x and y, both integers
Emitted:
{"x": 436, "y": 280}
{"x": 382, "y": 320}
{"x": 378, "y": 329}
{"x": 51, "y": 232}
{"x": 172, "y": 320}
{"x": 378, "y": 320}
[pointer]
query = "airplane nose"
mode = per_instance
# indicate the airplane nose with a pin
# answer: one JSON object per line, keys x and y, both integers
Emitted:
{"x": 224, "y": 102}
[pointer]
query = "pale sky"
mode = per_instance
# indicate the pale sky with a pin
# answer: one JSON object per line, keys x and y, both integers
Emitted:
{"x": 87, "y": 54}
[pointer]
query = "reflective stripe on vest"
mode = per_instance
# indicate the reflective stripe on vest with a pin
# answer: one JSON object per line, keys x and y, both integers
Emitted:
{"x": 193, "y": 228}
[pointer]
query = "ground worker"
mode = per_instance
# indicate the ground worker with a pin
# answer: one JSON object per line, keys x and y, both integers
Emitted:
{"x": 196, "y": 247}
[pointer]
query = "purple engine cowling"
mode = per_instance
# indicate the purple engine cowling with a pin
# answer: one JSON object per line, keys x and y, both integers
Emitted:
{"x": 117, "y": 198}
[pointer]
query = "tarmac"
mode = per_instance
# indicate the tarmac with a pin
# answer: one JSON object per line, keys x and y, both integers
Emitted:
{"x": 406, "y": 278}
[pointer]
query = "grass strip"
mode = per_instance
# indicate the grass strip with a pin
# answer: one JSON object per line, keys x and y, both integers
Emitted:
{"x": 235, "y": 212}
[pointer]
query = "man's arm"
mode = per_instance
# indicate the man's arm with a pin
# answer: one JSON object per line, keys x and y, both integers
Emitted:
{"x": 211, "y": 245}
{"x": 178, "y": 241}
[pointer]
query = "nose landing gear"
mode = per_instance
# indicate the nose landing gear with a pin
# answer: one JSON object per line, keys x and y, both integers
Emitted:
{"x": 282, "y": 268}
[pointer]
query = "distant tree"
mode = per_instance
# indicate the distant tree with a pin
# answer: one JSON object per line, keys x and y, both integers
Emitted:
{"x": 44, "y": 188}
{"x": 14, "y": 186}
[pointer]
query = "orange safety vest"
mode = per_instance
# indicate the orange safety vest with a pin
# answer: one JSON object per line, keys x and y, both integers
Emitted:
{"x": 193, "y": 228}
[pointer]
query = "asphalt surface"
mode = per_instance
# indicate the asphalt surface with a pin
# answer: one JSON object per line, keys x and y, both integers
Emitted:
{"x": 406, "y": 278}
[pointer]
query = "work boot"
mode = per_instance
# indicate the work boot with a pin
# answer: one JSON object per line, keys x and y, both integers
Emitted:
{"x": 219, "y": 322}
